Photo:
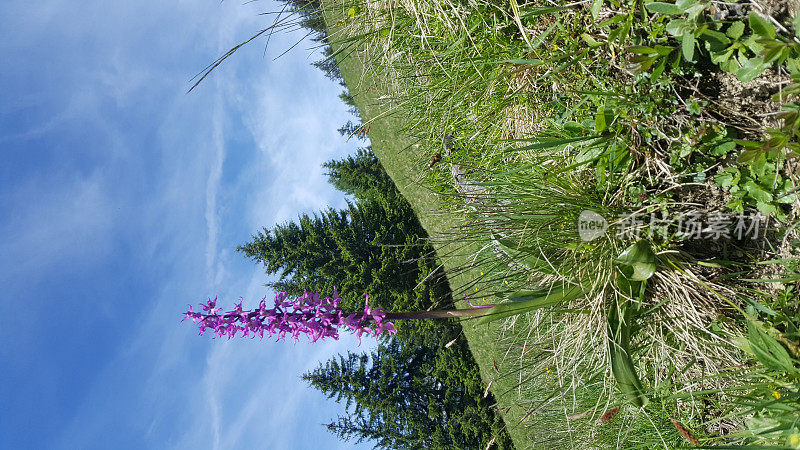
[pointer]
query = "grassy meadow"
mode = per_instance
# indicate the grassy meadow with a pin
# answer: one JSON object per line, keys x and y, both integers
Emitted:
{"x": 504, "y": 122}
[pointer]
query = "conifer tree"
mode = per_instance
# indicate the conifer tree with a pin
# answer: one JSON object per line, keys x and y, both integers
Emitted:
{"x": 410, "y": 396}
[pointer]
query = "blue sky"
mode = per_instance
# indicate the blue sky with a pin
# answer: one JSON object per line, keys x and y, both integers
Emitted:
{"x": 122, "y": 199}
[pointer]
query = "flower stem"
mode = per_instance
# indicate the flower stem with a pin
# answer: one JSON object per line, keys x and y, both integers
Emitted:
{"x": 436, "y": 314}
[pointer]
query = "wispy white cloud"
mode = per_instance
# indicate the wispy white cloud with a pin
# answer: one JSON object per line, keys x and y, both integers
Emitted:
{"x": 212, "y": 188}
{"x": 45, "y": 225}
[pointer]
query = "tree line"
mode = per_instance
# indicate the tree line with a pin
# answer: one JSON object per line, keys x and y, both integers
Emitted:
{"x": 414, "y": 390}
{"x": 420, "y": 388}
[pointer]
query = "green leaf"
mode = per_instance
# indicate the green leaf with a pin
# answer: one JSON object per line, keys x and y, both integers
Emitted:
{"x": 595, "y": 9}
{"x": 694, "y": 107}
{"x": 638, "y": 261}
{"x": 784, "y": 195}
{"x": 612, "y": 21}
{"x": 761, "y": 27}
{"x": 592, "y": 42}
{"x": 664, "y": 50}
{"x": 736, "y": 30}
{"x": 773, "y": 54}
{"x": 687, "y": 47}
{"x": 527, "y": 301}
{"x": 755, "y": 192}
{"x": 664, "y": 8}
{"x": 728, "y": 177}
{"x": 641, "y": 63}
{"x": 753, "y": 45}
{"x": 723, "y": 149}
{"x": 716, "y": 40}
{"x": 659, "y": 68}
{"x": 793, "y": 64}
{"x": 768, "y": 350}
{"x": 603, "y": 118}
{"x": 766, "y": 208}
{"x": 588, "y": 155}
{"x": 622, "y": 367}
{"x": 679, "y": 27}
{"x": 625, "y": 374}
{"x": 736, "y": 205}
{"x": 686, "y": 5}
{"x": 752, "y": 68}
{"x": 796, "y": 23}
{"x": 641, "y": 50}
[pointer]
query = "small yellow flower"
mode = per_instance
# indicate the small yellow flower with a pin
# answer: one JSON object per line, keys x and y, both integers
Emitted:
{"x": 794, "y": 440}
{"x": 547, "y": 369}
{"x": 481, "y": 273}
{"x": 776, "y": 394}
{"x": 555, "y": 47}
{"x": 506, "y": 281}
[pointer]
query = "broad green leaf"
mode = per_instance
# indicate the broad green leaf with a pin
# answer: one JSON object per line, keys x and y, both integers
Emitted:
{"x": 736, "y": 30}
{"x": 694, "y": 11}
{"x": 664, "y": 8}
{"x": 728, "y": 177}
{"x": 638, "y": 261}
{"x": 590, "y": 40}
{"x": 625, "y": 374}
{"x": 753, "y": 45}
{"x": 761, "y": 27}
{"x": 716, "y": 40}
{"x": 768, "y": 350}
{"x": 756, "y": 192}
{"x": 588, "y": 155}
{"x": 723, "y": 149}
{"x": 612, "y": 21}
{"x": 664, "y": 50}
{"x": 641, "y": 63}
{"x": 619, "y": 331}
{"x": 530, "y": 301}
{"x": 595, "y": 9}
{"x": 736, "y": 205}
{"x": 766, "y": 208}
{"x": 693, "y": 106}
{"x": 796, "y": 23}
{"x": 603, "y": 118}
{"x": 679, "y": 27}
{"x": 641, "y": 50}
{"x": 687, "y": 46}
{"x": 659, "y": 68}
{"x": 773, "y": 54}
{"x": 786, "y": 194}
{"x": 752, "y": 68}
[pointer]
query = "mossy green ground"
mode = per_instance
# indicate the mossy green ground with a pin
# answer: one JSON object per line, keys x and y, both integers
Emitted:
{"x": 562, "y": 394}
{"x": 396, "y": 152}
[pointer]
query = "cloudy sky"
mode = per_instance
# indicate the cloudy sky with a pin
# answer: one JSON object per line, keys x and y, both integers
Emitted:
{"x": 122, "y": 199}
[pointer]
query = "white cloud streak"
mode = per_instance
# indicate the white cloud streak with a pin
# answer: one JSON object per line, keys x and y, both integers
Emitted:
{"x": 212, "y": 188}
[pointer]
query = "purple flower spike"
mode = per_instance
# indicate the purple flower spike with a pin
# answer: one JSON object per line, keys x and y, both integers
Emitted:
{"x": 309, "y": 314}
